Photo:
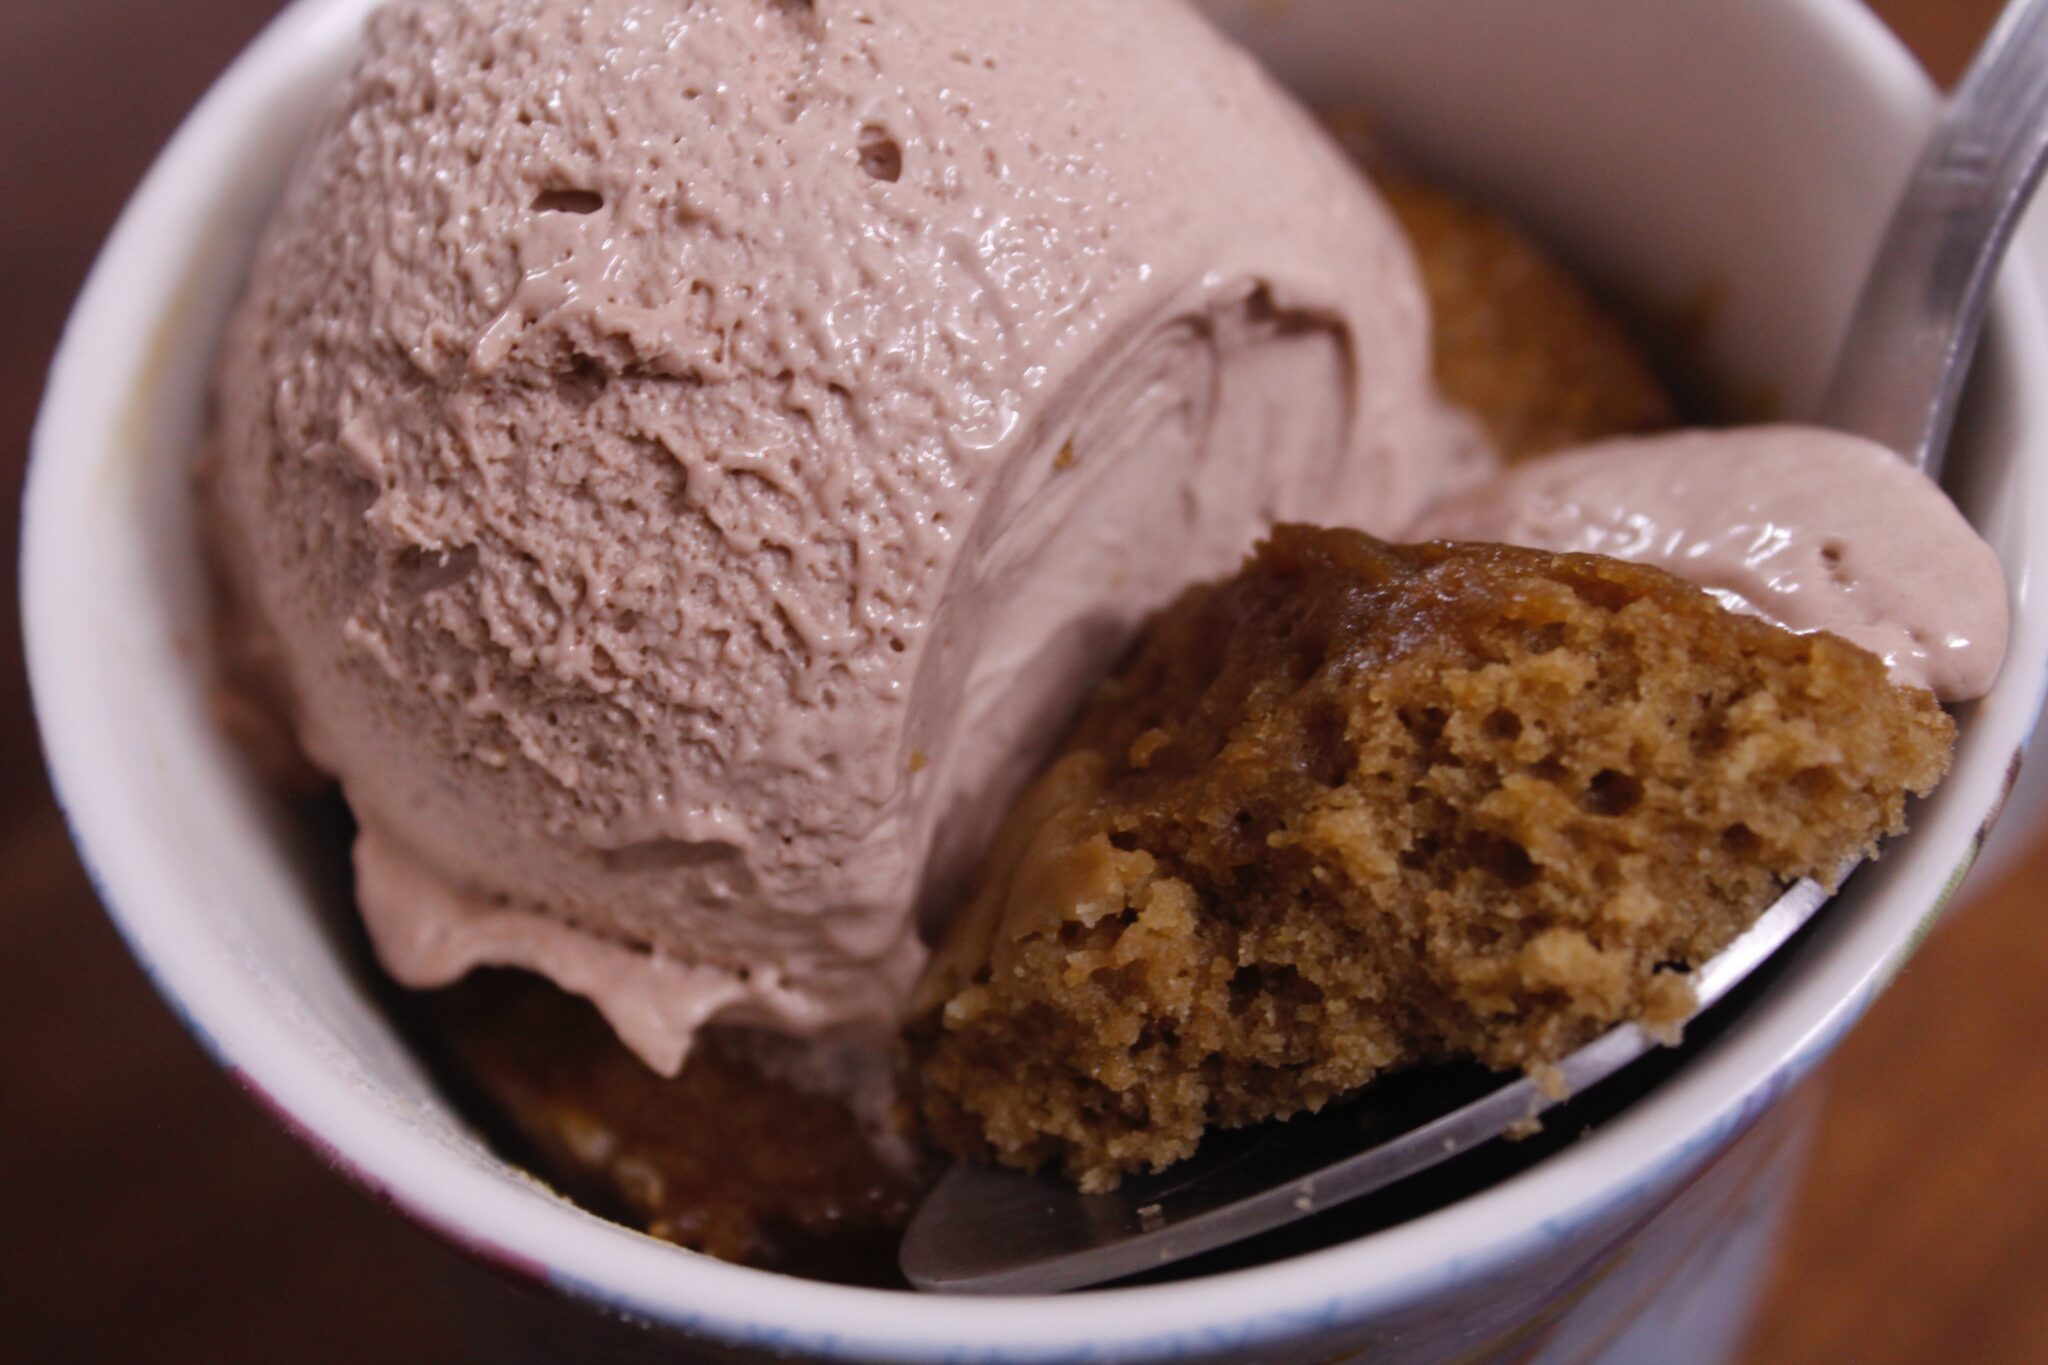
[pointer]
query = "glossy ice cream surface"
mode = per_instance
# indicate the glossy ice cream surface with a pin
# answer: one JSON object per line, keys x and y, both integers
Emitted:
{"x": 691, "y": 458}
{"x": 1811, "y": 528}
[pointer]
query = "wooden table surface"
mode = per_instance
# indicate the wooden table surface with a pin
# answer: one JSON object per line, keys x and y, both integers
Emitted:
{"x": 148, "y": 1209}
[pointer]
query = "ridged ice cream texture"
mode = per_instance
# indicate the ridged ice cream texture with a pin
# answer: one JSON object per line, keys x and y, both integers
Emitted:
{"x": 692, "y": 455}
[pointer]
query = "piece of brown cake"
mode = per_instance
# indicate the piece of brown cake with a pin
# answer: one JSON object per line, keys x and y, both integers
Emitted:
{"x": 723, "y": 1158}
{"x": 1518, "y": 340}
{"x": 1366, "y": 805}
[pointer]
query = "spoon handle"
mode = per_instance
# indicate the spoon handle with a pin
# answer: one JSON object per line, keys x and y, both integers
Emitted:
{"x": 1917, "y": 321}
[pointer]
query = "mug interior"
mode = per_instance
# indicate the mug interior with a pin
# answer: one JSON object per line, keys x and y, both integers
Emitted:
{"x": 1725, "y": 165}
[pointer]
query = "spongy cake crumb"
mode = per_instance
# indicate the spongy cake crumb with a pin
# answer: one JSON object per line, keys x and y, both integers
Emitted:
{"x": 1368, "y": 805}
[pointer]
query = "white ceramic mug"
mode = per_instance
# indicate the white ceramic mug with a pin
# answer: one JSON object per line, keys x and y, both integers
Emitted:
{"x": 1736, "y": 156}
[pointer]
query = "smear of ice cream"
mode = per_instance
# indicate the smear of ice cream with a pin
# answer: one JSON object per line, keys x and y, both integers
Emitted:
{"x": 1811, "y": 528}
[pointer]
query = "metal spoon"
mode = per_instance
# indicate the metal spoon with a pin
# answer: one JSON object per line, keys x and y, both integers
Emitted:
{"x": 1898, "y": 380}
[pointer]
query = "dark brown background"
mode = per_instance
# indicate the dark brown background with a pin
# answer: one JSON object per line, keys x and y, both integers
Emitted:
{"x": 147, "y": 1210}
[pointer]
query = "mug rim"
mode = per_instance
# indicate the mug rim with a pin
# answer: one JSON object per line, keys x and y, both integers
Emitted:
{"x": 538, "y": 1236}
